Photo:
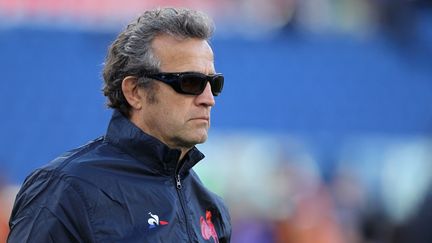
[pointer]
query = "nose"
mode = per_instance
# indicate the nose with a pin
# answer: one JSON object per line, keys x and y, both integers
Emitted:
{"x": 206, "y": 98}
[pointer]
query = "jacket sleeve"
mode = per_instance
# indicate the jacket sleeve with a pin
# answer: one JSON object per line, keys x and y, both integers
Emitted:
{"x": 49, "y": 209}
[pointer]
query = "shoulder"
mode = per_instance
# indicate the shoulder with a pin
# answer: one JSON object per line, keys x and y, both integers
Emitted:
{"x": 60, "y": 202}
{"x": 58, "y": 192}
{"x": 76, "y": 175}
{"x": 52, "y": 189}
{"x": 60, "y": 180}
{"x": 81, "y": 164}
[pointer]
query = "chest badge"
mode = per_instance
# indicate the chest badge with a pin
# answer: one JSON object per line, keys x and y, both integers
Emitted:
{"x": 154, "y": 221}
{"x": 207, "y": 227}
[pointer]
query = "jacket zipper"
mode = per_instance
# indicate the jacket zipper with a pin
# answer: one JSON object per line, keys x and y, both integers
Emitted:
{"x": 178, "y": 182}
{"x": 182, "y": 203}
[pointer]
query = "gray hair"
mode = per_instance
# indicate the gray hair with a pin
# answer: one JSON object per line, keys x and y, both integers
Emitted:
{"x": 131, "y": 53}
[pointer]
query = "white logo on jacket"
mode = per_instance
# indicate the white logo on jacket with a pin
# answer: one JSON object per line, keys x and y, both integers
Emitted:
{"x": 154, "y": 221}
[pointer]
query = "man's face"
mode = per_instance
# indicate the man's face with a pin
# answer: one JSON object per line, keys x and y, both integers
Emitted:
{"x": 180, "y": 121}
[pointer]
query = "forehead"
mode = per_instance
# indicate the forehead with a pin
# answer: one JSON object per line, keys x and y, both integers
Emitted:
{"x": 180, "y": 55}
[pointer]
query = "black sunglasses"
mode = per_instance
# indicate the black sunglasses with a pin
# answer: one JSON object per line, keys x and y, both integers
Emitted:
{"x": 192, "y": 83}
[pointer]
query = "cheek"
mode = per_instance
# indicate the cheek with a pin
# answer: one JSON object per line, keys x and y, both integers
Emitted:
{"x": 176, "y": 109}
{"x": 180, "y": 111}
{"x": 173, "y": 116}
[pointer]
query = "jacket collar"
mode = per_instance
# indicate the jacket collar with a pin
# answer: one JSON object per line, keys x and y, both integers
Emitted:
{"x": 147, "y": 149}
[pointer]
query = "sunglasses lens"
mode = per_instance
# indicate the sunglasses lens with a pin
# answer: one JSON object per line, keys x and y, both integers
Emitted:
{"x": 193, "y": 84}
{"x": 217, "y": 84}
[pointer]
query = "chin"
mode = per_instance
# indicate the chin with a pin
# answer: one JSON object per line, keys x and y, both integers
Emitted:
{"x": 190, "y": 141}
{"x": 200, "y": 139}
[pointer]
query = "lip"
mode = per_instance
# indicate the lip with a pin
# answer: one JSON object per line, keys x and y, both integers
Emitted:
{"x": 205, "y": 118}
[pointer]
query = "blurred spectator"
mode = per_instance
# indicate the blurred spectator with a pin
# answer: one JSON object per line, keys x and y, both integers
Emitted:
{"x": 253, "y": 230}
{"x": 7, "y": 195}
{"x": 418, "y": 228}
{"x": 350, "y": 198}
{"x": 313, "y": 221}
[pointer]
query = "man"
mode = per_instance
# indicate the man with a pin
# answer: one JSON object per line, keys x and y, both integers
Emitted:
{"x": 135, "y": 184}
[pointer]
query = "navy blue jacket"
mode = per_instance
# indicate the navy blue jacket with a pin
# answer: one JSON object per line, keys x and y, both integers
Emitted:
{"x": 124, "y": 187}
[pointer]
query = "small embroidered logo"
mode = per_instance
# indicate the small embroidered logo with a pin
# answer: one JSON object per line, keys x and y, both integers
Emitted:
{"x": 154, "y": 221}
{"x": 207, "y": 228}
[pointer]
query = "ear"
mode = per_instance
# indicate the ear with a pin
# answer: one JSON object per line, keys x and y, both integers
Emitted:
{"x": 130, "y": 91}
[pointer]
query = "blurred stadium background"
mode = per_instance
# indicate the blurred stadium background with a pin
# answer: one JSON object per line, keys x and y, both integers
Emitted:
{"x": 323, "y": 133}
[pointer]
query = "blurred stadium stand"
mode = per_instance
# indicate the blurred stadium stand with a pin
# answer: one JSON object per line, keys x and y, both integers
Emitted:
{"x": 325, "y": 123}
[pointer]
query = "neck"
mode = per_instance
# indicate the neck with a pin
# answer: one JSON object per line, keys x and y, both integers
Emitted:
{"x": 148, "y": 131}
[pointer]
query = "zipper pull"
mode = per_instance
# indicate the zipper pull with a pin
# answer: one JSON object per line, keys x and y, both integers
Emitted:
{"x": 179, "y": 185}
